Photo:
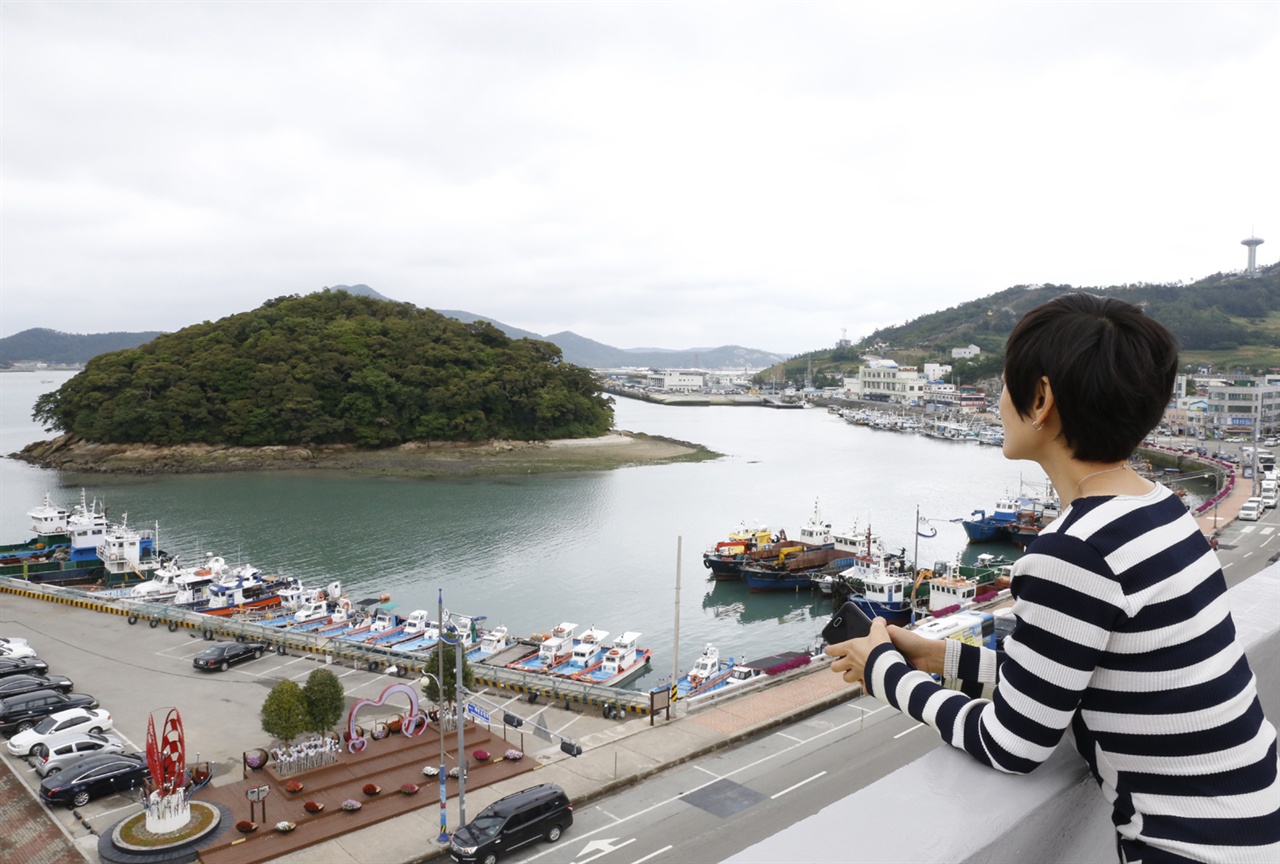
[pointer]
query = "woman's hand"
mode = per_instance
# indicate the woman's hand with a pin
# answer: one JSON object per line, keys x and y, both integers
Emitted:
{"x": 851, "y": 656}
{"x": 927, "y": 655}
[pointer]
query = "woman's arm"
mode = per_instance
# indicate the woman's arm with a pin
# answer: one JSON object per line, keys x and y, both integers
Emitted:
{"x": 1067, "y": 605}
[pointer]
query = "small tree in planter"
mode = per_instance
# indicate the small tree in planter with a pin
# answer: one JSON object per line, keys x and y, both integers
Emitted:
{"x": 324, "y": 699}
{"x": 284, "y": 713}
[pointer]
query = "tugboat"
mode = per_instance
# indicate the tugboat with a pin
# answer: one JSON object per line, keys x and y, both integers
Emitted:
{"x": 65, "y": 548}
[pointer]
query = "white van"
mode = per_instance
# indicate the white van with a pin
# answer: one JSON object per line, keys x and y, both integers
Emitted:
{"x": 1251, "y": 510}
{"x": 1269, "y": 497}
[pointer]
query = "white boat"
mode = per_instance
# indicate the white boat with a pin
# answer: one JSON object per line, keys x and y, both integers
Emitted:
{"x": 588, "y": 649}
{"x": 709, "y": 673}
{"x": 621, "y": 662}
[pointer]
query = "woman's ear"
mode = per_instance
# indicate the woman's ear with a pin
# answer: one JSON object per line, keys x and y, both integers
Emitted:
{"x": 1043, "y": 405}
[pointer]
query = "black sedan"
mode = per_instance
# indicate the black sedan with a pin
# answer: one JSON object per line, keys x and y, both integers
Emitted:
{"x": 22, "y": 666}
{"x": 18, "y": 684}
{"x": 20, "y": 713}
{"x": 225, "y": 654}
{"x": 93, "y": 777}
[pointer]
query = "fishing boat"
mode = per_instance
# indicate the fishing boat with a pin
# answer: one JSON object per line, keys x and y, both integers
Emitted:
{"x": 791, "y": 572}
{"x": 1034, "y": 513}
{"x": 725, "y": 557}
{"x": 65, "y": 547}
{"x": 983, "y": 527}
{"x": 622, "y": 662}
{"x": 709, "y": 673}
{"x": 588, "y": 650}
{"x": 553, "y": 650}
{"x": 491, "y": 642}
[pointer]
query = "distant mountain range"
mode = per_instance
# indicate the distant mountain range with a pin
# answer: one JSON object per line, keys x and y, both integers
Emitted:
{"x": 49, "y": 346}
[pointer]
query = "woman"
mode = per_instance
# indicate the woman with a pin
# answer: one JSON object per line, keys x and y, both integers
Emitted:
{"x": 1123, "y": 631}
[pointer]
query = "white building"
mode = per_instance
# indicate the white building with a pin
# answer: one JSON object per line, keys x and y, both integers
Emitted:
{"x": 965, "y": 353}
{"x": 892, "y": 383}
{"x": 676, "y": 380}
{"x": 937, "y": 371}
{"x": 1236, "y": 405}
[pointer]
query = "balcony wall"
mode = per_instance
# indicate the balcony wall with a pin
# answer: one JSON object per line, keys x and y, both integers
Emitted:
{"x": 945, "y": 807}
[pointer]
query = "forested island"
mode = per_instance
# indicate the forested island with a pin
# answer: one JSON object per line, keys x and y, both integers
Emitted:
{"x": 329, "y": 368}
{"x": 334, "y": 379}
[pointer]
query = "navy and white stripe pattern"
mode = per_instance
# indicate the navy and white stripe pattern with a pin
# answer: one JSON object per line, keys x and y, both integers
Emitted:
{"x": 1123, "y": 633}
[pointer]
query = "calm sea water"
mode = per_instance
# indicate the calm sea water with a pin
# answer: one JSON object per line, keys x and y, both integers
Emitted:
{"x": 532, "y": 551}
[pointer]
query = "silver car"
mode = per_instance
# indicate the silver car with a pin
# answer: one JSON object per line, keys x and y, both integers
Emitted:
{"x": 51, "y": 760}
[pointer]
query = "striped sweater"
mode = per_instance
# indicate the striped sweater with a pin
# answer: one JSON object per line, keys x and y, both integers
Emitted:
{"x": 1123, "y": 633}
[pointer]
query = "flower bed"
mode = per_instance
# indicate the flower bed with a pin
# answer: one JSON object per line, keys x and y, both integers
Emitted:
{"x": 481, "y": 755}
{"x": 409, "y": 789}
{"x": 285, "y": 827}
{"x": 293, "y": 787}
{"x": 371, "y": 789}
{"x": 513, "y": 755}
{"x": 351, "y": 805}
{"x": 313, "y": 806}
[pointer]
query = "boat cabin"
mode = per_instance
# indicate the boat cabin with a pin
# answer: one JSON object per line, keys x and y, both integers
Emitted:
{"x": 48, "y": 521}
{"x": 494, "y": 641}
{"x": 417, "y": 623}
{"x": 589, "y": 646}
{"x": 557, "y": 647}
{"x": 947, "y": 591}
{"x": 816, "y": 532}
{"x": 622, "y": 654}
{"x": 708, "y": 664}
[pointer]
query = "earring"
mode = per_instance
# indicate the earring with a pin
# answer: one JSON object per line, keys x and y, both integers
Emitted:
{"x": 1037, "y": 428}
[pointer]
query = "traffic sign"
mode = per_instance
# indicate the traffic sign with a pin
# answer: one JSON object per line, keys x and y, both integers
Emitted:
{"x": 477, "y": 712}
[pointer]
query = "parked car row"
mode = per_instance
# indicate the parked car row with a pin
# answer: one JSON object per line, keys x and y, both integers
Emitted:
{"x": 64, "y": 732}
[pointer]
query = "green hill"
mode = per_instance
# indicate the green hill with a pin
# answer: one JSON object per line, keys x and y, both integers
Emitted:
{"x": 329, "y": 368}
{"x": 52, "y": 346}
{"x": 1229, "y": 321}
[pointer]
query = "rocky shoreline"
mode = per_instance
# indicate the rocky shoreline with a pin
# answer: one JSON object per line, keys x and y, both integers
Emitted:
{"x": 417, "y": 459}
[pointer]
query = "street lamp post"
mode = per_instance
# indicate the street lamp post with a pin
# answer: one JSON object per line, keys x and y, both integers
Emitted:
{"x": 444, "y": 827}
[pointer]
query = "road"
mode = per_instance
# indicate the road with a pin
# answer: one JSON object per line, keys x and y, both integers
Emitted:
{"x": 713, "y": 807}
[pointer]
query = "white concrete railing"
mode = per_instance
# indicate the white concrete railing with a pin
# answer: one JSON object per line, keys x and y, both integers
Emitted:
{"x": 945, "y": 807}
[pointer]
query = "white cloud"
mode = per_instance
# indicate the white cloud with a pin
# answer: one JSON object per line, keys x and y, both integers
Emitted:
{"x": 642, "y": 174}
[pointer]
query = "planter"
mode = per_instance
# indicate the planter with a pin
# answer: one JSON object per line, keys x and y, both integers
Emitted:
{"x": 481, "y": 755}
{"x": 431, "y": 771}
{"x": 395, "y": 724}
{"x": 255, "y": 760}
{"x": 370, "y": 789}
{"x": 409, "y": 789}
{"x": 313, "y": 806}
{"x": 513, "y": 755}
{"x": 293, "y": 787}
{"x": 351, "y": 806}
{"x": 244, "y": 826}
{"x": 285, "y": 827}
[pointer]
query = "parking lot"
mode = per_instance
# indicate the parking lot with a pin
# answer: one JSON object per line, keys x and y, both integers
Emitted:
{"x": 135, "y": 671}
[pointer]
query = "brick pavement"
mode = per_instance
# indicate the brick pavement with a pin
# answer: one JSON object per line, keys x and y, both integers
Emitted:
{"x": 30, "y": 836}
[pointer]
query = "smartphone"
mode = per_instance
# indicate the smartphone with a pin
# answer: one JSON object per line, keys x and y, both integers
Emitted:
{"x": 849, "y": 622}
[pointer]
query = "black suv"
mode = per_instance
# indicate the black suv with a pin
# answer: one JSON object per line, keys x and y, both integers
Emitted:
{"x": 509, "y": 823}
{"x": 19, "y": 713}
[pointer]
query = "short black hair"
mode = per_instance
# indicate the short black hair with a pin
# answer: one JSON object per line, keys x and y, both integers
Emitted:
{"x": 1110, "y": 366}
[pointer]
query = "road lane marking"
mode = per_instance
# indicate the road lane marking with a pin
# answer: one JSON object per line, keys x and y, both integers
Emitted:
{"x": 789, "y": 737}
{"x": 704, "y": 770}
{"x": 912, "y": 729}
{"x": 604, "y": 847}
{"x": 779, "y": 753}
{"x": 652, "y": 855}
{"x": 798, "y": 785}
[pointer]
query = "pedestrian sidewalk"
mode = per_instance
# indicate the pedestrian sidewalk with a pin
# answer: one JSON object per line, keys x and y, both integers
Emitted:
{"x": 1215, "y": 518}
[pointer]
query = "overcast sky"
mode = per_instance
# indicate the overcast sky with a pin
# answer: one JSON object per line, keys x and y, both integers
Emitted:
{"x": 651, "y": 174}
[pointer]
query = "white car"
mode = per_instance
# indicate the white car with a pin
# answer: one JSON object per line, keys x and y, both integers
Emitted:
{"x": 1251, "y": 510}
{"x": 63, "y": 752}
{"x": 55, "y": 727}
{"x": 15, "y": 647}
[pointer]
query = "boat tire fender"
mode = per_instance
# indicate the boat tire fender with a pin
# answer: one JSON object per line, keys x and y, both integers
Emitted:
{"x": 132, "y": 619}
{"x": 208, "y": 635}
{"x": 173, "y": 626}
{"x": 153, "y": 623}
{"x": 281, "y": 650}
{"x": 240, "y": 638}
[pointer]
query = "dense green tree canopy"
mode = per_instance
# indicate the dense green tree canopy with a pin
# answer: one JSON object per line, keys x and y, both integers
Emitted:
{"x": 284, "y": 711}
{"x": 330, "y": 368}
{"x": 324, "y": 699}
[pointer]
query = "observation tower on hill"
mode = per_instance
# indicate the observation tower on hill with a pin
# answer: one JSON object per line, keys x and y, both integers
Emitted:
{"x": 1253, "y": 243}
